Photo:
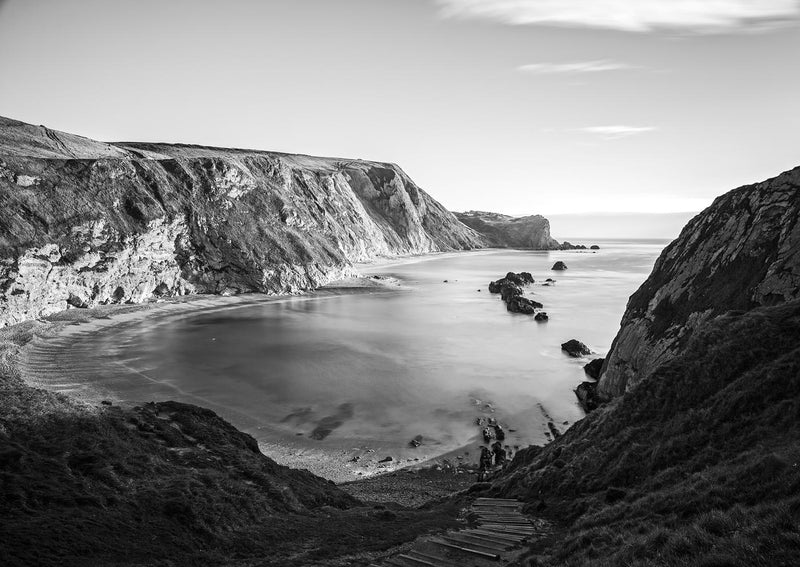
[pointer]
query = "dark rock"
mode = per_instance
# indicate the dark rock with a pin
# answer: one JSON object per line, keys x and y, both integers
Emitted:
{"x": 76, "y": 301}
{"x": 559, "y": 266}
{"x": 594, "y": 247}
{"x": 593, "y": 368}
{"x": 569, "y": 246}
{"x": 575, "y": 348}
{"x": 510, "y": 290}
{"x": 541, "y": 316}
{"x": 519, "y": 304}
{"x": 386, "y": 460}
{"x": 416, "y": 441}
{"x": 106, "y": 403}
{"x": 587, "y": 396}
{"x": 496, "y": 286}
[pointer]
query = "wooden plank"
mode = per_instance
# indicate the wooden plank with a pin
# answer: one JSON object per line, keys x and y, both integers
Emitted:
{"x": 439, "y": 561}
{"x": 418, "y": 561}
{"x": 485, "y": 499}
{"x": 478, "y": 539}
{"x": 498, "y": 538}
{"x": 507, "y": 537}
{"x": 473, "y": 543}
{"x": 466, "y": 549}
{"x": 514, "y": 529}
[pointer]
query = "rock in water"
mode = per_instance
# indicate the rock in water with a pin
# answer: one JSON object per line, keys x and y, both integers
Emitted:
{"x": 124, "y": 222}
{"x": 559, "y": 266}
{"x": 575, "y": 348}
{"x": 587, "y": 396}
{"x": 740, "y": 253}
{"x": 541, "y": 316}
{"x": 593, "y": 368}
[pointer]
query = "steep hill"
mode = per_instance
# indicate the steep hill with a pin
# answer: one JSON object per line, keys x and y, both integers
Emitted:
{"x": 503, "y": 231}
{"x": 696, "y": 460}
{"x": 698, "y": 465}
{"x": 87, "y": 222}
{"x": 741, "y": 252}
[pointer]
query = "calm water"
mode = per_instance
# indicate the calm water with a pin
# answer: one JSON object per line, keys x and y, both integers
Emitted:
{"x": 387, "y": 366}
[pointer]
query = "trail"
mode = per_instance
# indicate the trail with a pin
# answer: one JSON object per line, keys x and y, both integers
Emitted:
{"x": 497, "y": 538}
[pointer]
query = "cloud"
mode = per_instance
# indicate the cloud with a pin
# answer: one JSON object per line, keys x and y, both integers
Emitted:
{"x": 616, "y": 131}
{"x": 575, "y": 67}
{"x": 697, "y": 16}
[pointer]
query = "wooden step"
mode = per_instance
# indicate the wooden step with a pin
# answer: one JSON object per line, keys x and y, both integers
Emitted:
{"x": 439, "y": 561}
{"x": 480, "y": 541}
{"x": 466, "y": 549}
{"x": 501, "y": 535}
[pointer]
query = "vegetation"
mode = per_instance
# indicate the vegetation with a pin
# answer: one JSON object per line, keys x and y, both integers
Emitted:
{"x": 167, "y": 484}
{"x": 698, "y": 465}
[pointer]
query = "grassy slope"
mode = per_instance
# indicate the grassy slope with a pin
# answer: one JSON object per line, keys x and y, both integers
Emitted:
{"x": 699, "y": 465}
{"x": 165, "y": 483}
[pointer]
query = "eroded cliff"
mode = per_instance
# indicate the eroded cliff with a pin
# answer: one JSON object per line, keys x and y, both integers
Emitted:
{"x": 740, "y": 253}
{"x": 87, "y": 222}
{"x": 503, "y": 231}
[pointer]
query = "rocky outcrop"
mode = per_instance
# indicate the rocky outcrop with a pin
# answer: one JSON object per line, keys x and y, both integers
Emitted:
{"x": 593, "y": 368}
{"x": 575, "y": 348}
{"x": 511, "y": 292}
{"x": 740, "y": 253}
{"x": 87, "y": 222}
{"x": 503, "y": 231}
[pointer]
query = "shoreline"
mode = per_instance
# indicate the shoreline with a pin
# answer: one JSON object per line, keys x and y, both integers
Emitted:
{"x": 48, "y": 362}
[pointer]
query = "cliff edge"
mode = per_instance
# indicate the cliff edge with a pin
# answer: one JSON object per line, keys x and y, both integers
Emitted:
{"x": 87, "y": 222}
{"x": 503, "y": 231}
{"x": 740, "y": 253}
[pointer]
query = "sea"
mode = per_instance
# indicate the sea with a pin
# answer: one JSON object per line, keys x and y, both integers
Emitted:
{"x": 364, "y": 373}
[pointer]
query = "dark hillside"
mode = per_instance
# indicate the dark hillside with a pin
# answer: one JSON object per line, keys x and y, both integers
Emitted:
{"x": 165, "y": 484}
{"x": 698, "y": 465}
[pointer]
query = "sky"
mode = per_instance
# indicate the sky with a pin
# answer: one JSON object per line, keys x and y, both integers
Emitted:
{"x": 514, "y": 106}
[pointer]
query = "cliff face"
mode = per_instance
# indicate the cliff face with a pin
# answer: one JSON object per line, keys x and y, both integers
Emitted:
{"x": 740, "y": 253}
{"x": 503, "y": 231}
{"x": 87, "y": 222}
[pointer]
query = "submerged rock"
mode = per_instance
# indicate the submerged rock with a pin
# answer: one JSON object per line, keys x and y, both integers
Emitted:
{"x": 541, "y": 316}
{"x": 559, "y": 266}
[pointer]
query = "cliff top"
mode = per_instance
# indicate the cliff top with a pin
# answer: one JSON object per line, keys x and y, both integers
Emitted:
{"x": 20, "y": 139}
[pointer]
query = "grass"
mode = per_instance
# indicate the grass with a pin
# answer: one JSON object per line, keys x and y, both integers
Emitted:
{"x": 167, "y": 484}
{"x": 699, "y": 465}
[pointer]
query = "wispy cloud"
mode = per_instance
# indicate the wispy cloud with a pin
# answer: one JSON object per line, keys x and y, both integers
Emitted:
{"x": 616, "y": 131}
{"x": 697, "y": 16}
{"x": 575, "y": 67}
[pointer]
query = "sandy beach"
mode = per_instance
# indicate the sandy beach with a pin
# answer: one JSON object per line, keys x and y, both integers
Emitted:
{"x": 56, "y": 360}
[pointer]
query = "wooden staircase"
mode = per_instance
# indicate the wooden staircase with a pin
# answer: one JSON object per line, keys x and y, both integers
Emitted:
{"x": 501, "y": 529}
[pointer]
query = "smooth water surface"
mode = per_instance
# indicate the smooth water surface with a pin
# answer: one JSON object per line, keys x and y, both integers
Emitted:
{"x": 382, "y": 367}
